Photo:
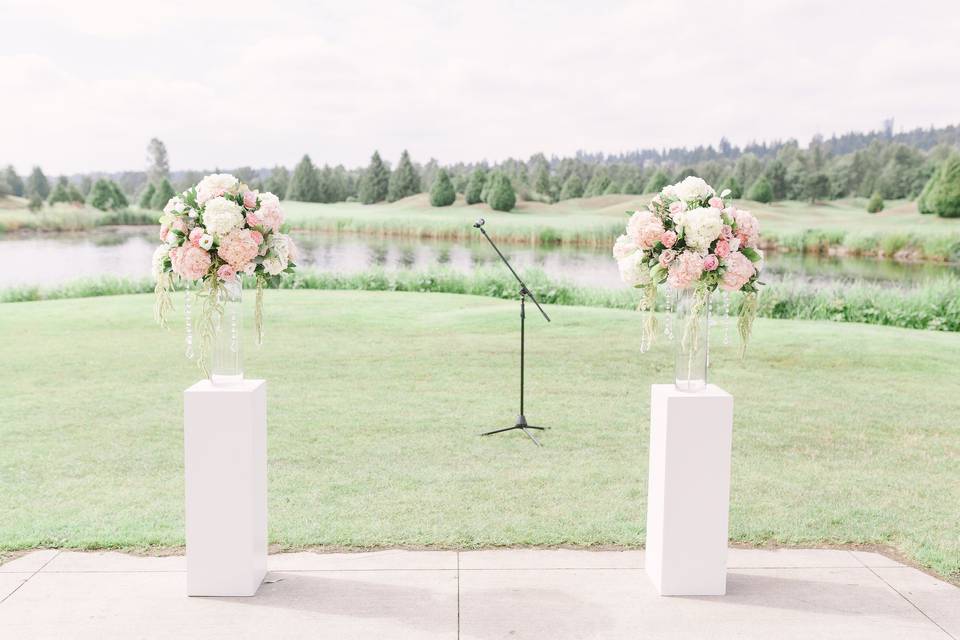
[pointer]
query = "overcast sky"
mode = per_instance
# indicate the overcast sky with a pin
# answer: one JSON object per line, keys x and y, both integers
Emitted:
{"x": 225, "y": 84}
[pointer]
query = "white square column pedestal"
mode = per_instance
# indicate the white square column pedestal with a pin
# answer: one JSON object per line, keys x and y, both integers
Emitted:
{"x": 689, "y": 490}
{"x": 225, "y": 467}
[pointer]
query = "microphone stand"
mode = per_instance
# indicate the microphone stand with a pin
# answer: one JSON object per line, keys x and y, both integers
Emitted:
{"x": 521, "y": 422}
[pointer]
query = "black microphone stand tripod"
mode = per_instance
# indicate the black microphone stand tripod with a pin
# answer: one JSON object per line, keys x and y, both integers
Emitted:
{"x": 524, "y": 292}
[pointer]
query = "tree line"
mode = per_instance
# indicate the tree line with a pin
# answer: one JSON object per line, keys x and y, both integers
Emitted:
{"x": 880, "y": 165}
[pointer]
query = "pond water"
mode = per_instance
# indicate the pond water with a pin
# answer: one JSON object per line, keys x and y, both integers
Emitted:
{"x": 57, "y": 258}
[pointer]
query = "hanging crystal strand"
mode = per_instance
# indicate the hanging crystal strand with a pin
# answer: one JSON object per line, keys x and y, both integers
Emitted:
{"x": 234, "y": 333}
{"x": 188, "y": 322}
{"x": 668, "y": 321}
{"x": 726, "y": 318}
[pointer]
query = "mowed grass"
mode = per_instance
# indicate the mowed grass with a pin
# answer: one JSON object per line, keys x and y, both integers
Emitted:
{"x": 843, "y": 433}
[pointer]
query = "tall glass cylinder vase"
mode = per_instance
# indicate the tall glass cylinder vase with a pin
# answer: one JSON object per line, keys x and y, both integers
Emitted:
{"x": 226, "y": 365}
{"x": 691, "y": 326}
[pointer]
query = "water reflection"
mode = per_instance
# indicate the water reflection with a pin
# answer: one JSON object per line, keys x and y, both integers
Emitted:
{"x": 58, "y": 258}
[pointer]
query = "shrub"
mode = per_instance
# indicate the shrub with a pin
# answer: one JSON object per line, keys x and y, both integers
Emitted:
{"x": 107, "y": 195}
{"x": 761, "y": 191}
{"x": 474, "y": 191}
{"x": 442, "y": 194}
{"x": 572, "y": 188}
{"x": 35, "y": 203}
{"x": 59, "y": 193}
{"x": 657, "y": 182}
{"x": 162, "y": 195}
{"x": 925, "y": 201}
{"x": 736, "y": 189}
{"x": 146, "y": 198}
{"x": 876, "y": 203}
{"x": 501, "y": 196}
{"x": 405, "y": 181}
{"x": 945, "y": 198}
{"x": 304, "y": 186}
{"x": 375, "y": 183}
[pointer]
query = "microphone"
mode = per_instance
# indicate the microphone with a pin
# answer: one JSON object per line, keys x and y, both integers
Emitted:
{"x": 479, "y": 223}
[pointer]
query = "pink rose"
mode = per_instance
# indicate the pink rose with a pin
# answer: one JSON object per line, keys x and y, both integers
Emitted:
{"x": 250, "y": 199}
{"x": 748, "y": 228}
{"x": 227, "y": 273}
{"x": 163, "y": 232}
{"x": 715, "y": 202}
{"x": 727, "y": 232}
{"x": 195, "y": 236}
{"x": 237, "y": 248}
{"x": 257, "y": 236}
{"x": 669, "y": 238}
{"x": 710, "y": 262}
{"x": 253, "y": 220}
{"x": 685, "y": 270}
{"x": 738, "y": 272}
{"x": 667, "y": 257}
{"x": 189, "y": 262}
{"x": 180, "y": 225}
{"x": 677, "y": 207}
{"x": 723, "y": 249}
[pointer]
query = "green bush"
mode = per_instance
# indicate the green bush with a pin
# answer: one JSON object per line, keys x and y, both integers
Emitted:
{"x": 761, "y": 191}
{"x": 106, "y": 194}
{"x": 501, "y": 196}
{"x": 375, "y": 183}
{"x": 35, "y": 203}
{"x": 876, "y": 203}
{"x": 474, "y": 191}
{"x": 162, "y": 195}
{"x": 657, "y": 182}
{"x": 736, "y": 189}
{"x": 146, "y": 198}
{"x": 572, "y": 188}
{"x": 442, "y": 194}
{"x": 405, "y": 181}
{"x": 945, "y": 197}
{"x": 925, "y": 201}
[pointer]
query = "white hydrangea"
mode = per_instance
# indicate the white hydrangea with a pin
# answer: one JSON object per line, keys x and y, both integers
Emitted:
{"x": 273, "y": 266}
{"x": 623, "y": 247}
{"x": 157, "y": 263}
{"x": 691, "y": 188}
{"x": 174, "y": 205}
{"x": 701, "y": 227}
{"x": 222, "y": 216}
{"x": 632, "y": 269}
{"x": 216, "y": 185}
{"x": 269, "y": 201}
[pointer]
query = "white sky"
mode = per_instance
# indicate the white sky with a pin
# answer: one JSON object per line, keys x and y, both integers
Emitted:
{"x": 85, "y": 84}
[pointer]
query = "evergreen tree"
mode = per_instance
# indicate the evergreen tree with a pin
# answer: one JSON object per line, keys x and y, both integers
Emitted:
{"x": 776, "y": 174}
{"x": 404, "y": 181}
{"x": 60, "y": 193}
{"x": 15, "y": 182}
{"x": 442, "y": 194}
{"x": 632, "y": 186}
{"x": 74, "y": 194}
{"x": 572, "y": 188}
{"x": 37, "y": 184}
{"x": 119, "y": 199}
{"x": 158, "y": 164}
{"x": 613, "y": 188}
{"x": 146, "y": 198}
{"x": 597, "y": 185}
{"x": 375, "y": 184}
{"x": 925, "y": 201}
{"x": 876, "y": 203}
{"x": 816, "y": 186}
{"x": 35, "y": 203}
{"x": 945, "y": 199}
{"x": 278, "y": 181}
{"x": 501, "y": 196}
{"x": 657, "y": 182}
{"x": 686, "y": 172}
{"x": 101, "y": 195}
{"x": 736, "y": 190}
{"x": 304, "y": 186}
{"x": 761, "y": 191}
{"x": 162, "y": 195}
{"x": 474, "y": 191}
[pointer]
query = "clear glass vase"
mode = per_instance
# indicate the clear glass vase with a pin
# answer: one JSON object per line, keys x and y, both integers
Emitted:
{"x": 226, "y": 361}
{"x": 692, "y": 322}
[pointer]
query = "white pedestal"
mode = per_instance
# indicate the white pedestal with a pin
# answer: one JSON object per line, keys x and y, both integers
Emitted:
{"x": 225, "y": 466}
{"x": 689, "y": 490}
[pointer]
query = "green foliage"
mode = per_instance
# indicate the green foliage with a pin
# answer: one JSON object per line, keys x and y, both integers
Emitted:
{"x": 158, "y": 163}
{"x": 5, "y": 188}
{"x": 146, "y": 198}
{"x": 14, "y": 181}
{"x": 736, "y": 189}
{"x": 106, "y": 194}
{"x": 404, "y": 181}
{"x": 875, "y": 205}
{"x": 632, "y": 186}
{"x": 478, "y": 180}
{"x": 598, "y": 184}
{"x": 541, "y": 180}
{"x": 60, "y": 192}
{"x": 501, "y": 196}
{"x": 442, "y": 194}
{"x": 305, "y": 184}
{"x": 74, "y": 195}
{"x": 375, "y": 183}
{"x": 162, "y": 195}
{"x": 657, "y": 182}
{"x": 572, "y": 187}
{"x": 776, "y": 173}
{"x": 816, "y": 186}
{"x": 35, "y": 203}
{"x": 925, "y": 201}
{"x": 761, "y": 191}
{"x": 37, "y": 184}
{"x": 277, "y": 182}
{"x": 945, "y": 198}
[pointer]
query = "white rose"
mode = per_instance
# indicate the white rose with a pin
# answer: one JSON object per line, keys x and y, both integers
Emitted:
{"x": 216, "y": 185}
{"x": 222, "y": 216}
{"x": 205, "y": 241}
{"x": 174, "y": 205}
{"x": 632, "y": 269}
{"x": 269, "y": 201}
{"x": 157, "y": 263}
{"x": 701, "y": 227}
{"x": 273, "y": 266}
{"x": 250, "y": 268}
{"x": 692, "y": 188}
{"x": 172, "y": 238}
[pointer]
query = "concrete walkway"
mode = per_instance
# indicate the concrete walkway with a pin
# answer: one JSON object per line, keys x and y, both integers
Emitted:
{"x": 539, "y": 594}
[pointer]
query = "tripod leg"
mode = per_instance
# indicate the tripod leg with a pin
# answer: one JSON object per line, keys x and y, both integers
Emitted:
{"x": 535, "y": 441}
{"x": 530, "y": 426}
{"x": 490, "y": 433}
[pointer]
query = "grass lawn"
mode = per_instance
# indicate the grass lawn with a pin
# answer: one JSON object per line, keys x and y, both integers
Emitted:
{"x": 844, "y": 433}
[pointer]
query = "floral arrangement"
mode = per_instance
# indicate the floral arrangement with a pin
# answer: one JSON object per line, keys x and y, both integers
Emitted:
{"x": 215, "y": 233}
{"x": 692, "y": 239}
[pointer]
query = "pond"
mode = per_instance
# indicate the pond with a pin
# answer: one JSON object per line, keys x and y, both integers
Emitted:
{"x": 126, "y": 252}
